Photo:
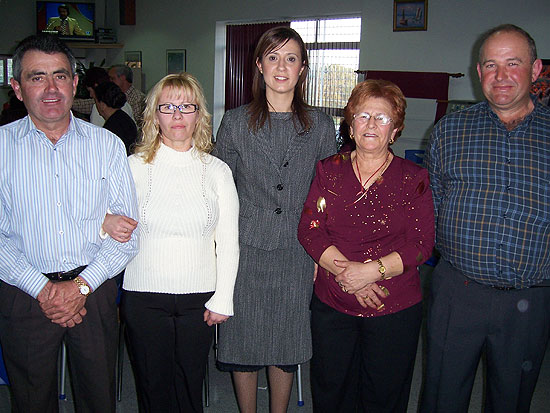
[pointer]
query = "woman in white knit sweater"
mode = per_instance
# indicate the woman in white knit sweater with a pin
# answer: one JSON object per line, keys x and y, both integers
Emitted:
{"x": 181, "y": 282}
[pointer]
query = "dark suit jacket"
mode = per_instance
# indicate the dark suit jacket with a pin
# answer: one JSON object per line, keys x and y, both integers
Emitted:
{"x": 271, "y": 193}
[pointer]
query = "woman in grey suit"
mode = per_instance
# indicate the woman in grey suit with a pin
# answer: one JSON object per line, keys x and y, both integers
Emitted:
{"x": 272, "y": 146}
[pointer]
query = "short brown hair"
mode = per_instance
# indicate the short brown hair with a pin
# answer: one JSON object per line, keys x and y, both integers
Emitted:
{"x": 377, "y": 88}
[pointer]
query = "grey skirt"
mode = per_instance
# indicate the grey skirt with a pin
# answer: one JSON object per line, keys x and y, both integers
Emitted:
{"x": 271, "y": 325}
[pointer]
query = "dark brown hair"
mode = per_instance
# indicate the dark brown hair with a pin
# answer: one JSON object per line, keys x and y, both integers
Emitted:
{"x": 377, "y": 88}
{"x": 271, "y": 40}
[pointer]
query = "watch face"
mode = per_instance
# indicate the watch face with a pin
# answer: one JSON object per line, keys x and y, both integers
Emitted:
{"x": 84, "y": 290}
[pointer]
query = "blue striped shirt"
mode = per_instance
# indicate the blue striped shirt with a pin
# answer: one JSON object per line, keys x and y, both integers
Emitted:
{"x": 491, "y": 189}
{"x": 53, "y": 199}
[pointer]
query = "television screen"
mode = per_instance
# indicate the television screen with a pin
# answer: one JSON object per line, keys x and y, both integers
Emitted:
{"x": 71, "y": 21}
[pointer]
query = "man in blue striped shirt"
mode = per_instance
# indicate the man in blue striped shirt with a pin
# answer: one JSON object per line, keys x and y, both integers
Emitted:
{"x": 489, "y": 169}
{"x": 59, "y": 177}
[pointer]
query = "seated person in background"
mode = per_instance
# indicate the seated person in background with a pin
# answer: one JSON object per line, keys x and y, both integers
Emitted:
{"x": 123, "y": 77}
{"x": 108, "y": 100}
{"x": 64, "y": 24}
{"x": 13, "y": 110}
{"x": 94, "y": 77}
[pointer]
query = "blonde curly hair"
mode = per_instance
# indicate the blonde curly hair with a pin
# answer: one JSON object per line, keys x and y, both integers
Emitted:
{"x": 184, "y": 84}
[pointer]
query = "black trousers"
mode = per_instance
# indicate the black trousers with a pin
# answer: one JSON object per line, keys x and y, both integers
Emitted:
{"x": 362, "y": 364}
{"x": 465, "y": 320}
{"x": 31, "y": 342}
{"x": 169, "y": 344}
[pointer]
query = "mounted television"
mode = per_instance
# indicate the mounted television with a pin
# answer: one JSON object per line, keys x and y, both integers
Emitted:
{"x": 71, "y": 21}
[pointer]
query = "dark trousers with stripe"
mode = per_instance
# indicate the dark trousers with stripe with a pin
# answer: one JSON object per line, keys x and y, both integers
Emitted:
{"x": 169, "y": 344}
{"x": 31, "y": 343}
{"x": 362, "y": 364}
{"x": 467, "y": 319}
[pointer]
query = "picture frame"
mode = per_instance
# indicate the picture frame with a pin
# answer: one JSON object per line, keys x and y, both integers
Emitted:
{"x": 133, "y": 59}
{"x": 410, "y": 15}
{"x": 541, "y": 86}
{"x": 176, "y": 61}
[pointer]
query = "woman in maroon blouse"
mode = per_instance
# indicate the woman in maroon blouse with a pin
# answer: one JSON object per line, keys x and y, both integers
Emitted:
{"x": 368, "y": 222}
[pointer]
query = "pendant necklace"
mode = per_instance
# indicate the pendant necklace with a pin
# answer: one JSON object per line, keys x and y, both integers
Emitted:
{"x": 364, "y": 185}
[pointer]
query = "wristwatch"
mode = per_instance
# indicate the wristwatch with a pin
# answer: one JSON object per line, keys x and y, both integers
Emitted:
{"x": 82, "y": 286}
{"x": 381, "y": 269}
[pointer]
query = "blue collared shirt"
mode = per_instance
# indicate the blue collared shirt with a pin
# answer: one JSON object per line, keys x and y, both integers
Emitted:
{"x": 53, "y": 199}
{"x": 491, "y": 190}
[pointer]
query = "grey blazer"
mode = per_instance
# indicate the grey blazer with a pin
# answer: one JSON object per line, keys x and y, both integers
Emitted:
{"x": 271, "y": 192}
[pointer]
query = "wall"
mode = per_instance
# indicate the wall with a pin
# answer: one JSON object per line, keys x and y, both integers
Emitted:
{"x": 453, "y": 27}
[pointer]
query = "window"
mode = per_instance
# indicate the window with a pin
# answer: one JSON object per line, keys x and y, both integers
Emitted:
{"x": 5, "y": 70}
{"x": 333, "y": 49}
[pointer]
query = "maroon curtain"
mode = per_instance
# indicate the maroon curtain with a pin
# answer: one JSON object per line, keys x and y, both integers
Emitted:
{"x": 423, "y": 85}
{"x": 240, "y": 44}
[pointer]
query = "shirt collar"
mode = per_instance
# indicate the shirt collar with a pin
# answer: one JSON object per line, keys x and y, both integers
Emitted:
{"x": 74, "y": 129}
{"x": 525, "y": 121}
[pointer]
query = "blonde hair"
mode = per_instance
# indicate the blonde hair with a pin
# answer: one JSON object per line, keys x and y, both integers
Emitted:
{"x": 188, "y": 85}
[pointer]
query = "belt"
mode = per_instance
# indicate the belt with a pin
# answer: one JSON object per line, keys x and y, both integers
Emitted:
{"x": 65, "y": 275}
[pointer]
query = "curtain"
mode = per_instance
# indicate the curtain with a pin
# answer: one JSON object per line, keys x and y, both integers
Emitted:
{"x": 241, "y": 41}
{"x": 423, "y": 85}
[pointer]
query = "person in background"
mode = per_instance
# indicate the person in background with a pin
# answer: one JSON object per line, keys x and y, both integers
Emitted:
{"x": 368, "y": 222}
{"x": 109, "y": 100}
{"x": 181, "y": 282}
{"x": 123, "y": 76}
{"x": 59, "y": 175}
{"x": 490, "y": 294}
{"x": 94, "y": 77}
{"x": 12, "y": 110}
{"x": 272, "y": 146}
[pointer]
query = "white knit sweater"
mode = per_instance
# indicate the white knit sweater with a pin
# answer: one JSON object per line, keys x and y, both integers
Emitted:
{"x": 188, "y": 227}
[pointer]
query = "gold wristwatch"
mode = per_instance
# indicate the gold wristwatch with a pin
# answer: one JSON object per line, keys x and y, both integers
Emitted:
{"x": 82, "y": 286}
{"x": 381, "y": 269}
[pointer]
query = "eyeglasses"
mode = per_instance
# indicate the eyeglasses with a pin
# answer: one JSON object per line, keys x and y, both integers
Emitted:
{"x": 184, "y": 108}
{"x": 380, "y": 119}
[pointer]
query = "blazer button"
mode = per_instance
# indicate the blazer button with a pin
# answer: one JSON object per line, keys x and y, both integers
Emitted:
{"x": 278, "y": 211}
{"x": 280, "y": 187}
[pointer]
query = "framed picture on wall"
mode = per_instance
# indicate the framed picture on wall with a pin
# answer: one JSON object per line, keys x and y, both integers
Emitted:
{"x": 541, "y": 86}
{"x": 176, "y": 61}
{"x": 410, "y": 15}
{"x": 133, "y": 59}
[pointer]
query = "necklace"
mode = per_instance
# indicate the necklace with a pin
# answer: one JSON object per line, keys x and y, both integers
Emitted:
{"x": 364, "y": 185}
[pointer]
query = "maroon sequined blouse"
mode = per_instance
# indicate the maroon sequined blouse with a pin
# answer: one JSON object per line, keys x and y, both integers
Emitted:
{"x": 395, "y": 214}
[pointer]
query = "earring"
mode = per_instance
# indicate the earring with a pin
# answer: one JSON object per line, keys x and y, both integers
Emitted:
{"x": 352, "y": 136}
{"x": 392, "y": 141}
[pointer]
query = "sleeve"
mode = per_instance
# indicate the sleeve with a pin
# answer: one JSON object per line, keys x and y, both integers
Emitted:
{"x": 51, "y": 23}
{"x": 15, "y": 269}
{"x": 113, "y": 256}
{"x": 419, "y": 222}
{"x": 227, "y": 245}
{"x": 77, "y": 30}
{"x": 312, "y": 230}
{"x": 432, "y": 162}
{"x": 83, "y": 106}
{"x": 328, "y": 145}
{"x": 224, "y": 148}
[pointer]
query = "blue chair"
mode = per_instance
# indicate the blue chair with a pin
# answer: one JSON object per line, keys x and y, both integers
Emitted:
{"x": 3, "y": 373}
